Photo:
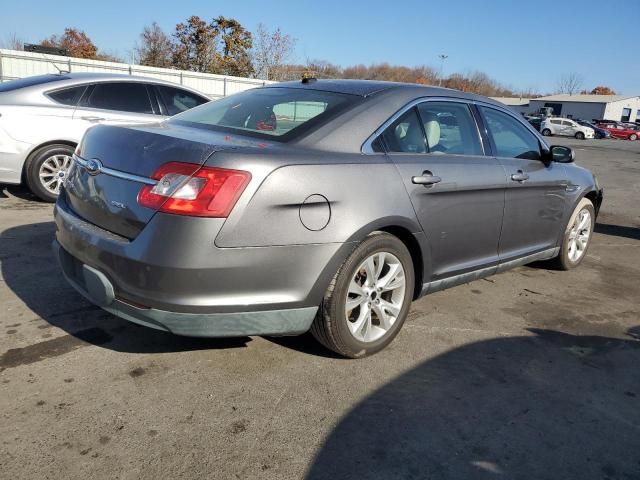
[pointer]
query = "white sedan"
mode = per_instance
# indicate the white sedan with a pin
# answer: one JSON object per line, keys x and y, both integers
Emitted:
{"x": 565, "y": 127}
{"x": 43, "y": 118}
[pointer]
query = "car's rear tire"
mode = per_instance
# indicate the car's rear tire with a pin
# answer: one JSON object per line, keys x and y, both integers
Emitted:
{"x": 580, "y": 135}
{"x": 546, "y": 132}
{"x": 633, "y": 136}
{"x": 46, "y": 169}
{"x": 368, "y": 299}
{"x": 577, "y": 236}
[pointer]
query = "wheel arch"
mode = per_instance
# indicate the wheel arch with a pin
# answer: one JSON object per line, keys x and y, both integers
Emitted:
{"x": 405, "y": 229}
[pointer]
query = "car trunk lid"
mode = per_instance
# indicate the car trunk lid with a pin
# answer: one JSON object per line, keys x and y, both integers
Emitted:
{"x": 115, "y": 162}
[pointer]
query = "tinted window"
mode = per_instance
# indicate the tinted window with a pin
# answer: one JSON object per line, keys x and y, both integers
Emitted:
{"x": 30, "y": 81}
{"x": 556, "y": 122}
{"x": 68, "y": 96}
{"x": 125, "y": 97}
{"x": 568, "y": 124}
{"x": 406, "y": 134}
{"x": 450, "y": 128}
{"x": 272, "y": 112}
{"x": 511, "y": 138}
{"x": 177, "y": 100}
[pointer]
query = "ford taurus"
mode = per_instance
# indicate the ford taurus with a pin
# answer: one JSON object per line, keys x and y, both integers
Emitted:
{"x": 316, "y": 205}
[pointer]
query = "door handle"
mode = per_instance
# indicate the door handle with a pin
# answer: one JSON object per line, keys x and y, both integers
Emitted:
{"x": 92, "y": 119}
{"x": 520, "y": 176}
{"x": 426, "y": 179}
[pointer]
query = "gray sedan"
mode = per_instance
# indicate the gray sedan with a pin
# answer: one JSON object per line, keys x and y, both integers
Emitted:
{"x": 316, "y": 205}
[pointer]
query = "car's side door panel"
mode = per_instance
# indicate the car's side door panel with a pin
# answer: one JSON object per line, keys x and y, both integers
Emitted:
{"x": 536, "y": 190}
{"x": 457, "y": 192}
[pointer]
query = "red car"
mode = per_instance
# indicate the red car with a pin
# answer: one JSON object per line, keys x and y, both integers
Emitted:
{"x": 619, "y": 131}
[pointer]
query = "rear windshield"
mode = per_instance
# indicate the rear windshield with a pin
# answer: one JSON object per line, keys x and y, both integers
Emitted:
{"x": 30, "y": 81}
{"x": 276, "y": 113}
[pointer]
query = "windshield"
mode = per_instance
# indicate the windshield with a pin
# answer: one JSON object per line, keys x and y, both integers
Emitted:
{"x": 30, "y": 81}
{"x": 269, "y": 112}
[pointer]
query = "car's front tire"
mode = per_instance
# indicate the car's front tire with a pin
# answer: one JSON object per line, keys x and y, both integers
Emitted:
{"x": 580, "y": 135}
{"x": 633, "y": 136}
{"x": 46, "y": 169}
{"x": 577, "y": 236}
{"x": 368, "y": 299}
{"x": 546, "y": 132}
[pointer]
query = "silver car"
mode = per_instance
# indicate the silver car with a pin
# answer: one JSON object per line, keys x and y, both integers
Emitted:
{"x": 43, "y": 118}
{"x": 321, "y": 205}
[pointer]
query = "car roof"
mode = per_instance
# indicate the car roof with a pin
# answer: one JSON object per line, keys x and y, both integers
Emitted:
{"x": 367, "y": 88}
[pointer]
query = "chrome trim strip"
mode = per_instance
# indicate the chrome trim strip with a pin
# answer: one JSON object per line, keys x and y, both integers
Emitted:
{"x": 116, "y": 173}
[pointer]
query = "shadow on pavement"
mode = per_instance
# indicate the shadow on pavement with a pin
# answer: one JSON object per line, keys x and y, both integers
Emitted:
{"x": 618, "y": 231}
{"x": 32, "y": 273}
{"x": 546, "y": 406}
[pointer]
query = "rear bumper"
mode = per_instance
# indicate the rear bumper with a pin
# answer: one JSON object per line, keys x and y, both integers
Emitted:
{"x": 173, "y": 277}
{"x": 97, "y": 288}
{"x": 12, "y": 157}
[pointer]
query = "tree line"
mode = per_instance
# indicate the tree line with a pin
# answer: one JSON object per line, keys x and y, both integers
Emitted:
{"x": 224, "y": 46}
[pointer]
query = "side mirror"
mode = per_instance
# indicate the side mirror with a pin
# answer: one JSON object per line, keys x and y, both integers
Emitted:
{"x": 562, "y": 154}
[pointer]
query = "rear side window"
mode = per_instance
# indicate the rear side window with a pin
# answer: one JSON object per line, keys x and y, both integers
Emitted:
{"x": 67, "y": 96}
{"x": 269, "y": 112}
{"x": 177, "y": 100}
{"x": 30, "y": 81}
{"x": 450, "y": 128}
{"x": 510, "y": 137}
{"x": 567, "y": 124}
{"x": 556, "y": 122}
{"x": 406, "y": 135}
{"x": 124, "y": 97}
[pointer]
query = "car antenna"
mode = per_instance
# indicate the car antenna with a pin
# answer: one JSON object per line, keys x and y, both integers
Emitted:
{"x": 27, "y": 47}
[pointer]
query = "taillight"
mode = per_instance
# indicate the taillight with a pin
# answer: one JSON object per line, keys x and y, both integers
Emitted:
{"x": 188, "y": 189}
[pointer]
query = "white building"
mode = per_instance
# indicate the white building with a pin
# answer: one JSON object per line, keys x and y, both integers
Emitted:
{"x": 520, "y": 105}
{"x": 590, "y": 107}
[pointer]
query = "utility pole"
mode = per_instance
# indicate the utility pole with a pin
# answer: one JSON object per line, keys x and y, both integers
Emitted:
{"x": 442, "y": 58}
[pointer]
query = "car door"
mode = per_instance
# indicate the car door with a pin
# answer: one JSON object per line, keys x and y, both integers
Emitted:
{"x": 115, "y": 102}
{"x": 569, "y": 127}
{"x": 457, "y": 192}
{"x": 536, "y": 190}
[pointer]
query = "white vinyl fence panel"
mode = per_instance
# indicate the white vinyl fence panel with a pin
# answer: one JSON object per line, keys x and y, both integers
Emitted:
{"x": 16, "y": 64}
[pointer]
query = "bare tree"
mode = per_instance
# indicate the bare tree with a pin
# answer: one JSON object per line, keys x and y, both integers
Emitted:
{"x": 155, "y": 48}
{"x": 12, "y": 42}
{"x": 271, "y": 51}
{"x": 569, "y": 83}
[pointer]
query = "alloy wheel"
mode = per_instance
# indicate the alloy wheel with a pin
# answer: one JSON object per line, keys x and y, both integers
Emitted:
{"x": 579, "y": 235}
{"x": 53, "y": 171}
{"x": 375, "y": 296}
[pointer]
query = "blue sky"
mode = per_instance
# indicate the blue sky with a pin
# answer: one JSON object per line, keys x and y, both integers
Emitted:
{"x": 523, "y": 44}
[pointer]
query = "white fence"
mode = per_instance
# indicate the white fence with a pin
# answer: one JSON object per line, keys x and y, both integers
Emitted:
{"x": 16, "y": 64}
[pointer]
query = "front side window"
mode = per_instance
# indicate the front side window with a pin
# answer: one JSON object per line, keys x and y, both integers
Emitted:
{"x": 177, "y": 100}
{"x": 567, "y": 123}
{"x": 270, "y": 112}
{"x": 406, "y": 135}
{"x": 450, "y": 128}
{"x": 123, "y": 97}
{"x": 510, "y": 137}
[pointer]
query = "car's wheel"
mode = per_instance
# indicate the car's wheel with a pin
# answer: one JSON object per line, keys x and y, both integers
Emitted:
{"x": 368, "y": 299}
{"x": 580, "y": 135}
{"x": 546, "y": 132}
{"x": 633, "y": 136}
{"x": 46, "y": 169}
{"x": 577, "y": 236}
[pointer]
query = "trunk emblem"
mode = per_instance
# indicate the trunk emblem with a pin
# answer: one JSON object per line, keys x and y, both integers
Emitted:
{"x": 93, "y": 166}
{"x": 117, "y": 204}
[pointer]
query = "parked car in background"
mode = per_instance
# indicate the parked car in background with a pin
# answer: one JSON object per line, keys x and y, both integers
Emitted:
{"x": 535, "y": 122}
{"x": 597, "y": 131}
{"x": 565, "y": 127}
{"x": 618, "y": 130}
{"x": 323, "y": 205}
{"x": 43, "y": 118}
